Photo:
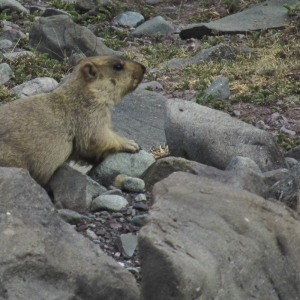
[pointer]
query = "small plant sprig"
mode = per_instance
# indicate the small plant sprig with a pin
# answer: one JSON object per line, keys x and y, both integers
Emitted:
{"x": 292, "y": 10}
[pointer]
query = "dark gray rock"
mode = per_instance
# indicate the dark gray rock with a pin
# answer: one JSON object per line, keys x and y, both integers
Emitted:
{"x": 86, "y": 5}
{"x": 140, "y": 112}
{"x": 5, "y": 73}
{"x": 44, "y": 258}
{"x": 48, "y": 12}
{"x": 287, "y": 190}
{"x": 219, "y": 89}
{"x": 11, "y": 34}
{"x": 205, "y": 240}
{"x": 214, "y": 138}
{"x": 60, "y": 37}
{"x": 165, "y": 166}
{"x": 129, "y": 164}
{"x": 268, "y": 14}
{"x": 126, "y": 244}
{"x": 35, "y": 86}
{"x": 73, "y": 190}
{"x": 36, "y": 9}
{"x": 128, "y": 19}
{"x": 154, "y": 26}
{"x": 219, "y": 52}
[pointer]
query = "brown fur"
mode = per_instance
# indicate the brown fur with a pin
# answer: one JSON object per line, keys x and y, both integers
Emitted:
{"x": 41, "y": 132}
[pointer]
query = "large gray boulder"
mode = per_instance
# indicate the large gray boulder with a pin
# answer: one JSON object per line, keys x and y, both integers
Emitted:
{"x": 60, "y": 37}
{"x": 73, "y": 190}
{"x": 214, "y": 138}
{"x": 205, "y": 240}
{"x": 44, "y": 258}
{"x": 140, "y": 112}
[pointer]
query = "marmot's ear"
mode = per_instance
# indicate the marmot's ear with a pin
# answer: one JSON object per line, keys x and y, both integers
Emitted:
{"x": 89, "y": 71}
{"x": 79, "y": 60}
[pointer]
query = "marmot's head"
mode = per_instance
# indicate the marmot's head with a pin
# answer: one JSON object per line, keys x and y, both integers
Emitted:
{"x": 110, "y": 76}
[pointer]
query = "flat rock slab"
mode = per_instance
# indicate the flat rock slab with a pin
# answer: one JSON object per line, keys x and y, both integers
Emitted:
{"x": 265, "y": 15}
{"x": 140, "y": 117}
{"x": 206, "y": 240}
{"x": 44, "y": 258}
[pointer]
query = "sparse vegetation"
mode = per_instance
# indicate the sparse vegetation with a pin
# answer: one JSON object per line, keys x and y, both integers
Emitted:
{"x": 29, "y": 67}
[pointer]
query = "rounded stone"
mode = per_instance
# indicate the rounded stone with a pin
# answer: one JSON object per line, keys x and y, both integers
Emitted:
{"x": 128, "y": 18}
{"x": 132, "y": 184}
{"x": 108, "y": 202}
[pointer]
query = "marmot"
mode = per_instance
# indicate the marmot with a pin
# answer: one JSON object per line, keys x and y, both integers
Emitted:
{"x": 41, "y": 132}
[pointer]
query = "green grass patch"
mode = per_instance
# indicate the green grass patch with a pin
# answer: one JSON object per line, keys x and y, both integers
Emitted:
{"x": 29, "y": 67}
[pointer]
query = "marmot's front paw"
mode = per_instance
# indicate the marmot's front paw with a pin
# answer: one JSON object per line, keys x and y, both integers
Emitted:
{"x": 132, "y": 146}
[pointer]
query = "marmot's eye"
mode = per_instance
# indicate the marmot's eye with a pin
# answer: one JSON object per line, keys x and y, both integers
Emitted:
{"x": 118, "y": 67}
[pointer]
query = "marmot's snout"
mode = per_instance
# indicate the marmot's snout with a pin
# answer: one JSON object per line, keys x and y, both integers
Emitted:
{"x": 143, "y": 68}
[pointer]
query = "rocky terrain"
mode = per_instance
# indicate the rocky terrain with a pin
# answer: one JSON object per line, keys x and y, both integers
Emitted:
{"x": 209, "y": 209}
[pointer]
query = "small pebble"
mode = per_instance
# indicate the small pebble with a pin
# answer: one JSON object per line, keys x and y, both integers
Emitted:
{"x": 113, "y": 192}
{"x": 100, "y": 232}
{"x": 236, "y": 113}
{"x": 138, "y": 220}
{"x": 132, "y": 184}
{"x": 133, "y": 271}
{"x": 140, "y": 197}
{"x": 109, "y": 202}
{"x": 117, "y": 254}
{"x": 91, "y": 234}
{"x": 82, "y": 227}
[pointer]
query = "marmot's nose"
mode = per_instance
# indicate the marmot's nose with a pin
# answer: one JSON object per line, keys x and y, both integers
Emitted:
{"x": 143, "y": 68}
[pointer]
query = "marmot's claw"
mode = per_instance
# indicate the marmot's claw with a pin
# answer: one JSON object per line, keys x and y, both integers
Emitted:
{"x": 132, "y": 146}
